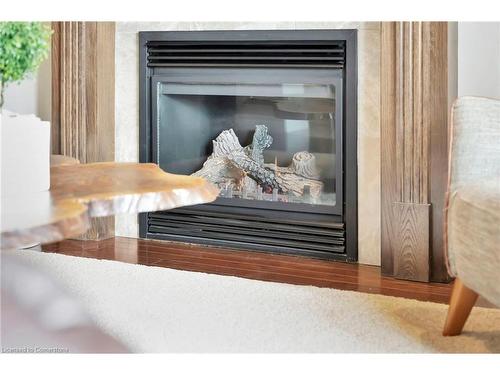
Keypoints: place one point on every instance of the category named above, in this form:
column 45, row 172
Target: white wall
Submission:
column 21, row 97
column 479, row 59
column 33, row 94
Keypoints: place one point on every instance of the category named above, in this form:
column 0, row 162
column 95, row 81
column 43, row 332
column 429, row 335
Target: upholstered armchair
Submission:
column 473, row 207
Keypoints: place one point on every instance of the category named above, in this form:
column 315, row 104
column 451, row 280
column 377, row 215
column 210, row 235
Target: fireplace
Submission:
column 267, row 116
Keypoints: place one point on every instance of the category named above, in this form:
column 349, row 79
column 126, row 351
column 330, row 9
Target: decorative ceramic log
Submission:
column 261, row 141
column 291, row 181
column 220, row 171
column 226, row 143
column 253, row 169
column 218, row 168
column 230, row 166
column 304, row 164
column 302, row 172
column 298, row 185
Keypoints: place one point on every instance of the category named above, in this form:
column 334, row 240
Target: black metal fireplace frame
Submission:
column 348, row 219
column 190, row 75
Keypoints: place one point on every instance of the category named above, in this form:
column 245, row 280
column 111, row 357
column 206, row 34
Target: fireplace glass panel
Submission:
column 264, row 142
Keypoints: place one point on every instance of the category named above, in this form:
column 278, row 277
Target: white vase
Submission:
column 25, row 153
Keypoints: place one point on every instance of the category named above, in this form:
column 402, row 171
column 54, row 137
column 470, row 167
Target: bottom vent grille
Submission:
column 321, row 240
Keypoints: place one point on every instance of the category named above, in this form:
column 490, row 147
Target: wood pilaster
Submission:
column 414, row 119
column 83, row 71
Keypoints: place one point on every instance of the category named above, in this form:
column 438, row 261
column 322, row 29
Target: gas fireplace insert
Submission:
column 269, row 117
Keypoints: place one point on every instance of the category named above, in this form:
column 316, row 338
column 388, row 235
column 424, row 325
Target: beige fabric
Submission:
column 475, row 149
column 474, row 237
column 474, row 204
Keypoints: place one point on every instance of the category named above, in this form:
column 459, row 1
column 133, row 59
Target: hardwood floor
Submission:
column 253, row 265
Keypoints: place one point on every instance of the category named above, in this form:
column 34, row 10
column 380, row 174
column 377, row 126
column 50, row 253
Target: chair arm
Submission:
column 473, row 230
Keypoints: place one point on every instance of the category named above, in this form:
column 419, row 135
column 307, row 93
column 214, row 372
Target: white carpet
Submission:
column 153, row 309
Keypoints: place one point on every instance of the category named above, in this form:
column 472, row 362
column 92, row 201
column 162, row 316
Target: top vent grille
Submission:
column 320, row 54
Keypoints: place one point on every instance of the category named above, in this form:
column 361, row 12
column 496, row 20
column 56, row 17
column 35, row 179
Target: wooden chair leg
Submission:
column 461, row 303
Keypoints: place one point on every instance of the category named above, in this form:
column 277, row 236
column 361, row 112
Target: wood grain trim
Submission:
column 84, row 99
column 412, row 136
column 438, row 110
column 105, row 88
column 414, row 110
column 389, row 179
column 411, row 256
column 56, row 89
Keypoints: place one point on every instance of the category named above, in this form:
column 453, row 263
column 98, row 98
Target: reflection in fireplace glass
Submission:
column 272, row 142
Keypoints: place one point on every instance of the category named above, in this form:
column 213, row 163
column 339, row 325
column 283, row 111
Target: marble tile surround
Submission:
column 127, row 112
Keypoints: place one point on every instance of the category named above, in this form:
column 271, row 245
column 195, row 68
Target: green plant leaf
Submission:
column 23, row 46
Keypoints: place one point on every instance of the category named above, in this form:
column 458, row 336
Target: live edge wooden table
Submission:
column 80, row 191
